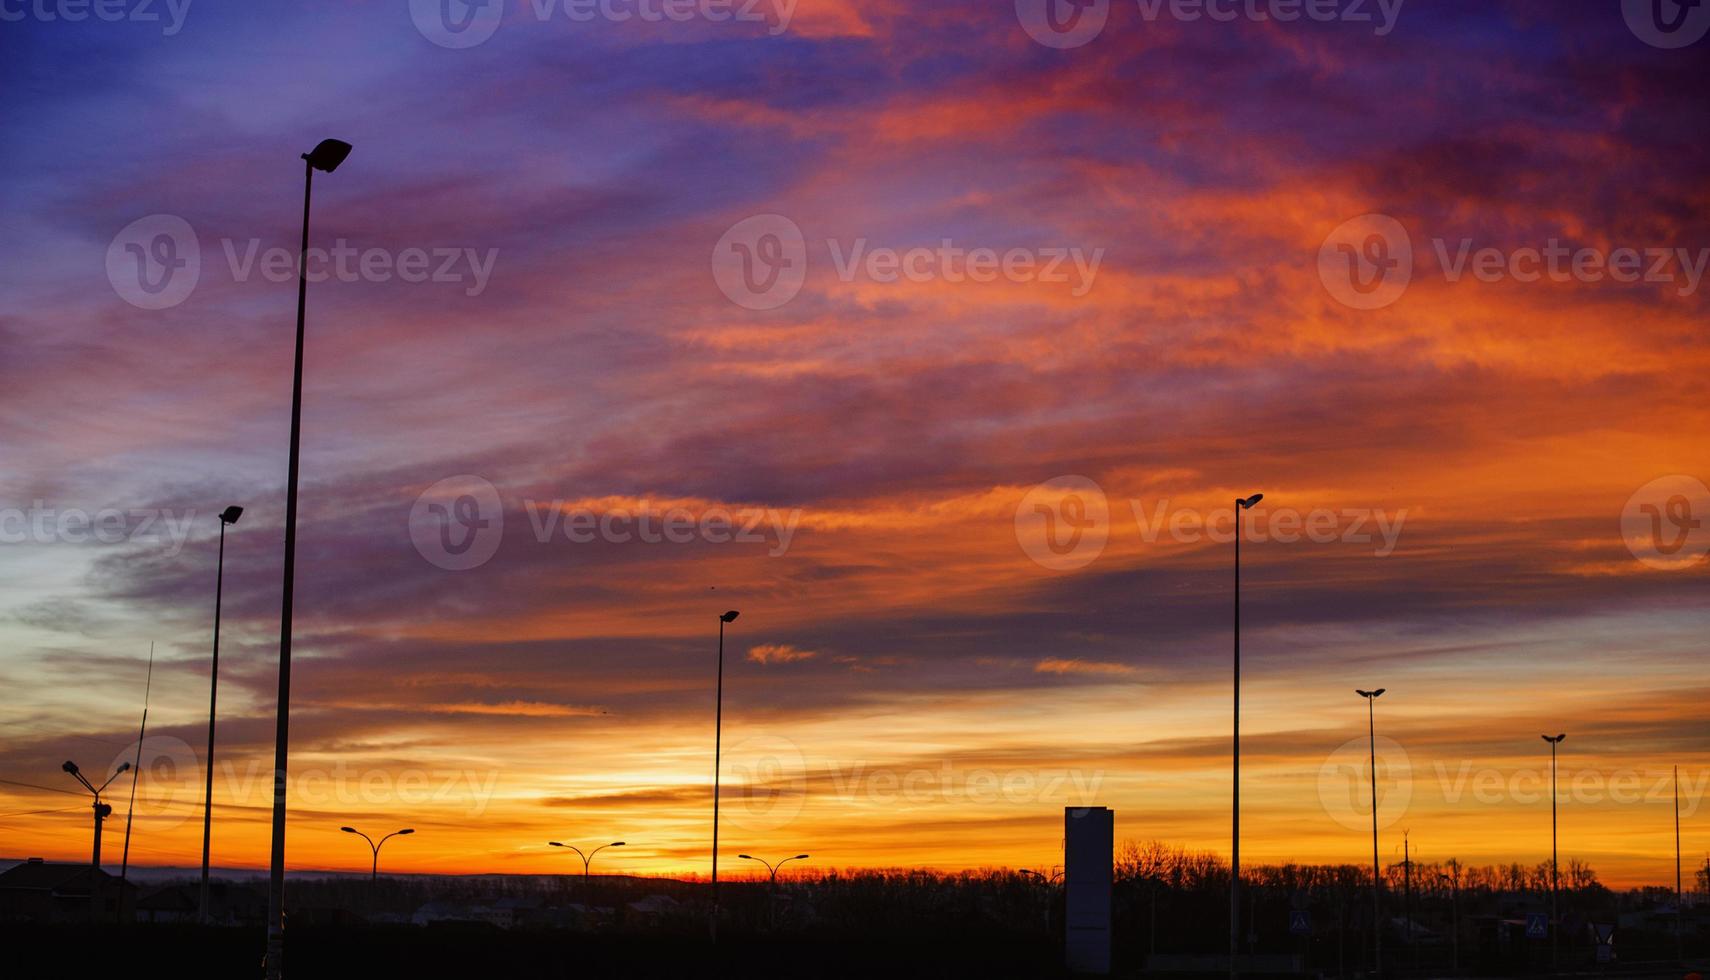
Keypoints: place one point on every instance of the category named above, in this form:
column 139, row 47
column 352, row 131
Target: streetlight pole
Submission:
column 587, row 859
column 1679, row 896
column 1454, row 913
column 228, row 517
column 772, row 880
column 374, row 871
column 1377, row 869
column 1245, row 503
column 326, row 156
column 1048, row 881
column 1555, row 868
column 718, row 736
column 102, row 811
column 1407, row 898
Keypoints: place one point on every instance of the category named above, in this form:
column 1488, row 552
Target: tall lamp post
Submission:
column 1679, row 896
column 1555, row 869
column 1246, row 503
column 1377, row 869
column 325, row 157
column 102, row 811
column 1454, row 884
column 374, row 871
column 718, row 735
column 587, row 859
column 228, row 517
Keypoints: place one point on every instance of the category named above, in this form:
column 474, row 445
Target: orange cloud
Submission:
column 779, row 653
column 1058, row 665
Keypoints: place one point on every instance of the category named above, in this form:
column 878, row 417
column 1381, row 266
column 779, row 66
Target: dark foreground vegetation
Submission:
column 316, row 952
column 1170, row 914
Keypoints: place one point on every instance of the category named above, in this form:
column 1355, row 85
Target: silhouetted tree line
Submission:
column 1167, row 900
column 1173, row 900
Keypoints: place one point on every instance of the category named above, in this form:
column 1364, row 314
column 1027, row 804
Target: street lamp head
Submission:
column 1250, row 502
column 70, row 767
column 327, row 155
column 553, row 843
column 403, row 832
column 123, row 767
column 230, row 515
column 729, row 617
column 799, row 857
column 615, row 843
column 1554, row 740
column 747, row 857
column 348, row 830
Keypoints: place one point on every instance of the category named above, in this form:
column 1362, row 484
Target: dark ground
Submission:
column 317, row 952
column 325, row 951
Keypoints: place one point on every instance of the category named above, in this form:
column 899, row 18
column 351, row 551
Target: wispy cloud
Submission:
column 1057, row 665
column 779, row 653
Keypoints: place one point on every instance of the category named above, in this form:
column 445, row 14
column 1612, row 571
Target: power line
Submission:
column 31, row 813
column 47, row 789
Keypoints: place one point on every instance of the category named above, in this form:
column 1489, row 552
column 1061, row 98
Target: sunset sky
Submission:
column 914, row 680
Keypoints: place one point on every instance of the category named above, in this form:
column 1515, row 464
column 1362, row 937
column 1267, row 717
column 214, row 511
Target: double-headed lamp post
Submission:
column 1555, row 869
column 718, row 736
column 102, row 810
column 325, row 157
column 1377, row 869
column 772, row 879
column 587, row 859
column 228, row 517
column 1244, row 503
column 374, row 871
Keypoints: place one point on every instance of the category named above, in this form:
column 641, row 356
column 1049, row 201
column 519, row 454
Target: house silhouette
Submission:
column 48, row 891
